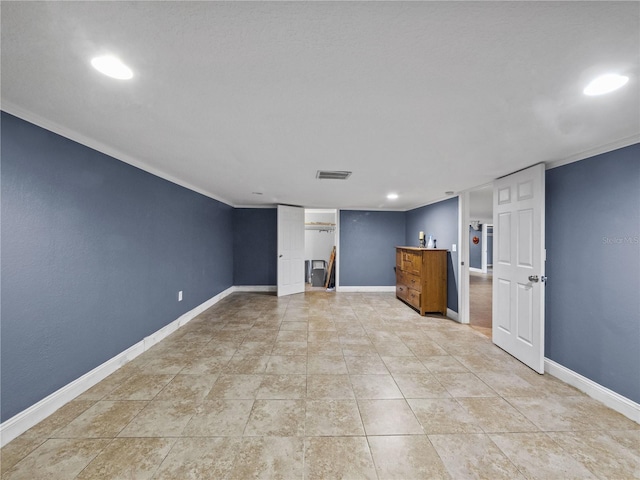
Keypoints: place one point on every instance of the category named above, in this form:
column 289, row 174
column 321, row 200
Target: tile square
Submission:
column 235, row 386
column 128, row 458
column 482, row 458
column 160, row 419
column 464, row 385
column 17, row 449
column 366, row 365
column 420, row 385
column 187, row 388
column 105, row 419
column 494, row 414
column 324, row 348
column 338, row 457
column 247, row 364
column 140, row 387
column 329, row 386
column 389, row 417
column 282, row 387
column 406, row 457
column 269, row 458
column 254, row 348
column 333, row 418
column 380, row 387
column 287, row 364
column 278, row 418
column 199, row 458
column 205, row 365
column 537, row 456
column 57, row 458
column 443, row 415
column 289, row 348
column 554, row 414
column 219, row 417
column 326, row 365
column 399, row 365
column 602, row 452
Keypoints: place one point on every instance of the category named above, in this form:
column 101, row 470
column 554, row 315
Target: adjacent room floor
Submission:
column 326, row 386
column 480, row 301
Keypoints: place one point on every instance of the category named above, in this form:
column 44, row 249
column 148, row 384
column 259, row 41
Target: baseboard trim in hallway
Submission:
column 611, row 399
column 23, row 421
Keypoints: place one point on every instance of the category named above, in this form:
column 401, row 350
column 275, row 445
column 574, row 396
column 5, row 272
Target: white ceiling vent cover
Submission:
column 332, row 175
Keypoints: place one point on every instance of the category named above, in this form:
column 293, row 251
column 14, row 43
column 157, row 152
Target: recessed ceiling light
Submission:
column 605, row 84
column 112, row 67
column 392, row 196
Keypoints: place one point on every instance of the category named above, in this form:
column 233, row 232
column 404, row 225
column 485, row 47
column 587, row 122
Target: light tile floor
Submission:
column 326, row 386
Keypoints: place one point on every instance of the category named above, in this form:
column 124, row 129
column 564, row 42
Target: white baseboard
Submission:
column 23, row 421
column 255, row 288
column 611, row 399
column 453, row 315
column 474, row 269
column 387, row 289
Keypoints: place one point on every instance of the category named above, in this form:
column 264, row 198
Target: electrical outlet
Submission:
column 180, row 296
column 453, row 247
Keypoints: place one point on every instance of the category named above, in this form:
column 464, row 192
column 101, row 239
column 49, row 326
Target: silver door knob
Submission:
column 533, row 278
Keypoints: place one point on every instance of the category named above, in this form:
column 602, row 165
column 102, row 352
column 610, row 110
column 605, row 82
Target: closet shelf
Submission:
column 320, row 226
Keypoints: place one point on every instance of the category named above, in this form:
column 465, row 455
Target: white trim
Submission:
column 609, row 398
column 255, row 288
column 23, row 421
column 463, row 257
column 453, row 315
column 390, row 288
column 592, row 152
column 474, row 269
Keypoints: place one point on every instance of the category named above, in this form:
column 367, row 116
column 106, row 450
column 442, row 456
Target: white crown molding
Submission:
column 609, row 147
column 611, row 399
column 77, row 137
column 23, row 421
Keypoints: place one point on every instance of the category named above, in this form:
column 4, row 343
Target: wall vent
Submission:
column 332, row 175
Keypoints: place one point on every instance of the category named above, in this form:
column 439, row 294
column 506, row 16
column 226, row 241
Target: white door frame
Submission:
column 463, row 256
column 485, row 249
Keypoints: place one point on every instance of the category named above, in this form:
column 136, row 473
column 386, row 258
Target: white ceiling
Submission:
column 417, row 98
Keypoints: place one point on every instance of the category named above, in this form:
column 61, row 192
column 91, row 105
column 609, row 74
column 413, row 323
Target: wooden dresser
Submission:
column 421, row 278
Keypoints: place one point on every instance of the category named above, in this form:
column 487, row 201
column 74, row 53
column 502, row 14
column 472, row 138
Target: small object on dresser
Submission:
column 430, row 244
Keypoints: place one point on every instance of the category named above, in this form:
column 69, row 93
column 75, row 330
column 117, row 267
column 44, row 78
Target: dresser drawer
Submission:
column 410, row 280
column 409, row 295
column 411, row 262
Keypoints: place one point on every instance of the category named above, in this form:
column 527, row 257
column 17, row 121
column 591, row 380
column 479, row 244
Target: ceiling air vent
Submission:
column 332, row 175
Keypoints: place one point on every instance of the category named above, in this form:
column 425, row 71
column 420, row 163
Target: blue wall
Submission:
column 440, row 220
column 94, row 252
column 475, row 249
column 593, row 265
column 367, row 247
column 255, row 246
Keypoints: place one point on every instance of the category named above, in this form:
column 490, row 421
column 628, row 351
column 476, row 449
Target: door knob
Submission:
column 533, row 278
column 279, row 256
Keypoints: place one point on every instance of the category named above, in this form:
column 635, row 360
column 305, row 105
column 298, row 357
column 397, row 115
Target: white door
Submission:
column 518, row 265
column 290, row 250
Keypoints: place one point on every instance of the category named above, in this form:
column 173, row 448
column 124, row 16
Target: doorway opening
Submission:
column 481, row 259
column 320, row 249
